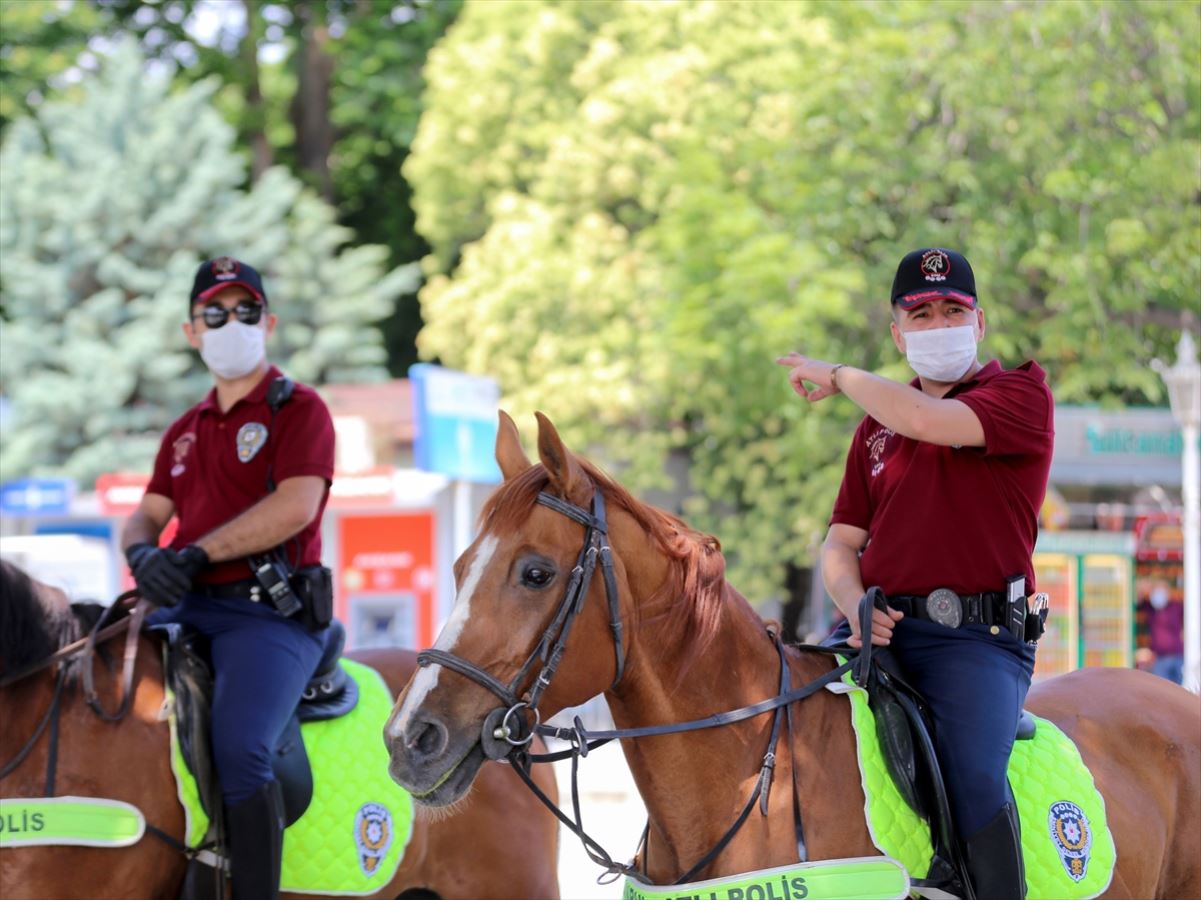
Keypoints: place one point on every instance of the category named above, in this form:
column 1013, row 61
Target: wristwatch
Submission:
column 834, row 376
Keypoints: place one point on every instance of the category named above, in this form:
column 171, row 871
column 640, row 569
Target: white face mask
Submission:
column 1159, row 597
column 233, row 350
column 941, row 354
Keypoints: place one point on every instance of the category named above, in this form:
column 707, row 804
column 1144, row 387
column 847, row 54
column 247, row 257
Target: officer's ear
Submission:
column 271, row 319
column 189, row 332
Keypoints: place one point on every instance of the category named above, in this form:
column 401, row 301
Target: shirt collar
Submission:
column 989, row 370
column 985, row 372
column 257, row 395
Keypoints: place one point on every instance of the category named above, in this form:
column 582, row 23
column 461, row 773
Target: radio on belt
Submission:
column 1015, row 596
column 273, row 578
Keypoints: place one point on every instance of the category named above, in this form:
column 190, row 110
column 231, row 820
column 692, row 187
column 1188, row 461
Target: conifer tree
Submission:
column 108, row 203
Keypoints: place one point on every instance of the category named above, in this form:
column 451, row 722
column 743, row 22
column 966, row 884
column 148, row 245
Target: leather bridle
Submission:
column 86, row 646
column 504, row 731
column 506, row 736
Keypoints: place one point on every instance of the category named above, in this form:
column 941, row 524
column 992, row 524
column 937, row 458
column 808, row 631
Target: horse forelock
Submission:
column 689, row 602
column 30, row 628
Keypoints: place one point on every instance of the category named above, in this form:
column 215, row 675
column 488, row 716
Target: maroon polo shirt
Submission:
column 964, row 518
column 213, row 466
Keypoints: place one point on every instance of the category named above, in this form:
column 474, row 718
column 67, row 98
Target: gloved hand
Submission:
column 163, row 575
column 136, row 554
column 193, row 560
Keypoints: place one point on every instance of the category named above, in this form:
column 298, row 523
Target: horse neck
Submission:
column 695, row 784
column 688, row 808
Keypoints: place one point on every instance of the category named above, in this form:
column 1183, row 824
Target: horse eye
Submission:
column 536, row 576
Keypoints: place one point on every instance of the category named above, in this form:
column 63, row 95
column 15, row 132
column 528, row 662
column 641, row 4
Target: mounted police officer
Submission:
column 247, row 471
column 939, row 507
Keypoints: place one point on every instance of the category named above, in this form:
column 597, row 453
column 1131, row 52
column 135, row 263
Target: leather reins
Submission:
column 502, row 739
column 97, row 635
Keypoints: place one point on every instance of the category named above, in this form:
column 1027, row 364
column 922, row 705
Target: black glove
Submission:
column 162, row 575
column 136, row 554
column 193, row 560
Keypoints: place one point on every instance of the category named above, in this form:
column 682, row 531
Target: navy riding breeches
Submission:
column 261, row 665
column 975, row 683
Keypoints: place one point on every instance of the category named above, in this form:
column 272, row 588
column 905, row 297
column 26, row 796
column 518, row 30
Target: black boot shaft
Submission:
column 994, row 858
column 256, row 843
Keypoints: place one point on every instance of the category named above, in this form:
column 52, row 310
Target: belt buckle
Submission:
column 945, row 607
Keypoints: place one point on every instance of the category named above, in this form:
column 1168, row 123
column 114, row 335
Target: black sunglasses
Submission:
column 215, row 315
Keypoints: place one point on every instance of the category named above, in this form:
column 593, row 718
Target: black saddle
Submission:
column 329, row 694
column 905, row 729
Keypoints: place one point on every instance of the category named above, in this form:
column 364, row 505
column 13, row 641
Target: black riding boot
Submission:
column 256, row 843
column 994, row 858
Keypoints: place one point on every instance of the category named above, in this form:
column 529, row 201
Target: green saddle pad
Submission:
column 1066, row 841
column 353, row 836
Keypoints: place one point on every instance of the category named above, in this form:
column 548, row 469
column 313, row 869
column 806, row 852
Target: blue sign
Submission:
column 37, row 496
column 455, row 422
column 93, row 529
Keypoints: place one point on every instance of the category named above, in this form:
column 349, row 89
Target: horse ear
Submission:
column 509, row 455
column 567, row 478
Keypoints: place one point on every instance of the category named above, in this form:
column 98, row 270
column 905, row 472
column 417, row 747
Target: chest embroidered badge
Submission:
column 251, row 438
column 180, row 449
column 875, row 449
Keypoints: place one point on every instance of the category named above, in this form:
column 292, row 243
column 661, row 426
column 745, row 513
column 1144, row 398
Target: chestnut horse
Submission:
column 677, row 643
column 498, row 843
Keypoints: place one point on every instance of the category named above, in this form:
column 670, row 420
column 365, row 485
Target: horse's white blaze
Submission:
column 426, row 678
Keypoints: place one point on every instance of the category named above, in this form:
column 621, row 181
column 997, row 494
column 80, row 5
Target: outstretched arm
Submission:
column 901, row 407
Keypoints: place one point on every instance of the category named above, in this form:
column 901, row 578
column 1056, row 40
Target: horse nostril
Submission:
column 427, row 739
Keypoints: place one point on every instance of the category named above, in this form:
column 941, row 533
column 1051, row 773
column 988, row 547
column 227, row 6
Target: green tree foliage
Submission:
column 109, row 203
column 338, row 105
column 633, row 208
column 39, row 40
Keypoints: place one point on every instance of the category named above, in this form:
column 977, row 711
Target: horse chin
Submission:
column 447, row 788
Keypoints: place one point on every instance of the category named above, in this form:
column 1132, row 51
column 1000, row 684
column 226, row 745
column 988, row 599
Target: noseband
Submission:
column 504, row 731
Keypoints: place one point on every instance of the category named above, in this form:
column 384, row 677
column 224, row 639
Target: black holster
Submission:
column 314, row 586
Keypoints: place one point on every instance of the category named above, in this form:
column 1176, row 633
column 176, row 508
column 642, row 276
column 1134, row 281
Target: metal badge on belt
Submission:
column 944, row 607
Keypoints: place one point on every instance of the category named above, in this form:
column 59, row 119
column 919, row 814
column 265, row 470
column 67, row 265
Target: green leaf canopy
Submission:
column 110, row 201
column 634, row 207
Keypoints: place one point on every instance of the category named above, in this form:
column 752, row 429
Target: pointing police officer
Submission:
column 939, row 507
column 247, row 471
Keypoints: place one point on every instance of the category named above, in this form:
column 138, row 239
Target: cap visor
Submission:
column 218, row 288
column 913, row 301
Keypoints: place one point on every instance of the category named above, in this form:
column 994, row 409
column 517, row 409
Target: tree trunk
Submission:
column 261, row 154
column 310, row 109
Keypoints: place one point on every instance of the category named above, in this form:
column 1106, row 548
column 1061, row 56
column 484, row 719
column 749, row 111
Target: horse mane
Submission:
column 31, row 630
column 697, row 569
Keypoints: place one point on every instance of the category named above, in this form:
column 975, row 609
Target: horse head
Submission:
column 569, row 571
column 509, row 609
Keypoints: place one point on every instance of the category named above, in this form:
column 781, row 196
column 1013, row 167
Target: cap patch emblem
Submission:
column 1072, row 836
column 936, row 265
column 372, row 835
column 224, row 268
column 251, row 438
column 180, row 449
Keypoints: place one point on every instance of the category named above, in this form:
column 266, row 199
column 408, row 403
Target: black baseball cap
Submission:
column 222, row 272
column 933, row 273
